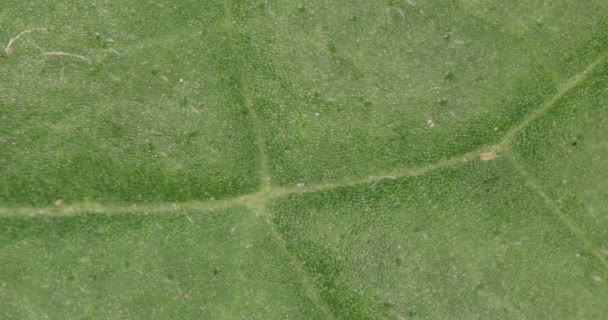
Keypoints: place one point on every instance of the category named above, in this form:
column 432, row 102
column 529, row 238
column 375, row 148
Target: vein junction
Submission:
column 266, row 192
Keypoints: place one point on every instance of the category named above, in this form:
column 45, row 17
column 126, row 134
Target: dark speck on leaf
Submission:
column 449, row 76
column 332, row 48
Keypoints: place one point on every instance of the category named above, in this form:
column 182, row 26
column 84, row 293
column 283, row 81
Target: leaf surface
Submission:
column 276, row 160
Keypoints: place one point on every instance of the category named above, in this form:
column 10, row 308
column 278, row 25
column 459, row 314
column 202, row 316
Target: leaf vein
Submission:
column 559, row 212
column 565, row 88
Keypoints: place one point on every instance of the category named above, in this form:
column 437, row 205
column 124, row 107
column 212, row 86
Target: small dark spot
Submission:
column 154, row 72
column 412, row 314
column 301, row 8
column 398, row 262
column 574, row 143
column 70, row 277
column 183, row 102
column 215, row 272
column 150, row 147
column 447, row 36
column 285, row 85
column 367, row 104
column 443, row 102
column 97, row 68
column 450, row 76
column 480, row 286
column 193, row 135
column 101, row 41
column 316, row 95
column 127, row 264
column 332, row 48
column 354, row 18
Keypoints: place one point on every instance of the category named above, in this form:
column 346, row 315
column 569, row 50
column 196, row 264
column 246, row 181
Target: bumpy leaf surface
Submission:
column 304, row 160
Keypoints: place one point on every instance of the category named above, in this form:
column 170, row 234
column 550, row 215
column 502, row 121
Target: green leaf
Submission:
column 281, row 160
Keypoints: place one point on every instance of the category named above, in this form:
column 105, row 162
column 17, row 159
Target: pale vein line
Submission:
column 267, row 191
column 87, row 207
column 264, row 171
column 562, row 216
column 563, row 89
column 391, row 175
column 299, row 267
column 503, row 144
column 258, row 201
